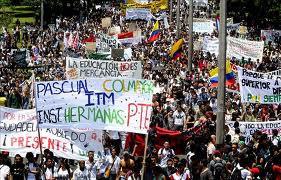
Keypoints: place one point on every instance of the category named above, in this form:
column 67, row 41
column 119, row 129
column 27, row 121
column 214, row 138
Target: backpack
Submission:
column 236, row 175
column 218, row 168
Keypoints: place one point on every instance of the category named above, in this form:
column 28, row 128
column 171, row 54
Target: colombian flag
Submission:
column 230, row 76
column 155, row 33
column 176, row 50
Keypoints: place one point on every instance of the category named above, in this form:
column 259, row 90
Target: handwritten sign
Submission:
column 112, row 104
column 89, row 68
column 258, row 87
column 19, row 134
column 243, row 48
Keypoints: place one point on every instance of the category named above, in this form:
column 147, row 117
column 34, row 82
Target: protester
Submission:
column 4, row 170
column 18, row 170
column 81, row 173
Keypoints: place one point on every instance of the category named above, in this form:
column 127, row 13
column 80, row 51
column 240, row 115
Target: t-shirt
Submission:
column 63, row 174
column 115, row 166
column 51, row 173
column 31, row 167
column 179, row 118
column 210, row 150
column 166, row 155
column 81, row 175
column 4, row 171
column 17, row 171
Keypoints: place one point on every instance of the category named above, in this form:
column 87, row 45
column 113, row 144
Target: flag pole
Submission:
column 144, row 157
column 222, row 71
column 190, row 34
column 39, row 138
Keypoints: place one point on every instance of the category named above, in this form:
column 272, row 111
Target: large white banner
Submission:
column 104, row 43
column 110, row 104
column 248, row 128
column 19, row 134
column 88, row 68
column 138, row 13
column 258, row 87
column 203, row 27
column 270, row 35
column 239, row 48
column 211, row 45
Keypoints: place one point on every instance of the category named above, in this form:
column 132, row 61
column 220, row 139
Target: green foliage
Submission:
column 5, row 18
column 260, row 12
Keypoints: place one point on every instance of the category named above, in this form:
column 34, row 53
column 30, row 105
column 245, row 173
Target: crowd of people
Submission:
column 185, row 100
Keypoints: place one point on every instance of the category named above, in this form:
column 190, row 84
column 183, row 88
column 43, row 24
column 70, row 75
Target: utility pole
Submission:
column 190, row 34
column 42, row 14
column 171, row 11
column 178, row 19
column 222, row 70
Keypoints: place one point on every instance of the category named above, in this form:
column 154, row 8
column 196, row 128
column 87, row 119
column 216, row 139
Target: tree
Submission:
column 5, row 17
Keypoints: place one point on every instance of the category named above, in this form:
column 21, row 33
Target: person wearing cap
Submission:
column 4, row 169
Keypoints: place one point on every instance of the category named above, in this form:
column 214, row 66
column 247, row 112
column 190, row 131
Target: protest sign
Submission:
column 258, row 87
column 19, row 134
column 117, row 104
column 203, row 27
column 138, row 13
column 243, row 30
column 90, row 47
column 117, row 53
column 133, row 26
column 198, row 2
column 131, row 41
column 248, row 128
column 89, row 68
column 20, row 58
column 239, row 48
column 114, row 30
column 270, row 35
column 104, row 43
column 106, row 22
column 211, row 45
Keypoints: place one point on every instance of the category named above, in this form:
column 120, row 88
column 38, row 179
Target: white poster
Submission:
column 239, row 48
column 104, row 43
column 276, row 72
column 270, row 35
column 89, row 68
column 203, row 27
column 117, row 104
column 211, row 44
column 131, row 41
column 19, row 134
column 138, row 13
column 258, row 87
column 248, row 128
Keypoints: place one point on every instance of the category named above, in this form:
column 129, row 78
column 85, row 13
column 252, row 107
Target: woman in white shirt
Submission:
column 64, row 171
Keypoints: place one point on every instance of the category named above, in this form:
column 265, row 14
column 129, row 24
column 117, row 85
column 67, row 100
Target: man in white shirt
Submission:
column 4, row 170
column 81, row 173
column 179, row 118
column 90, row 163
column 164, row 154
column 211, row 147
column 113, row 165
